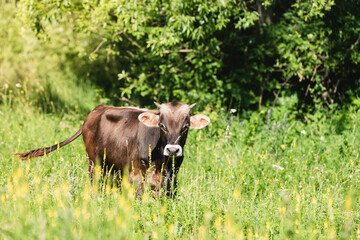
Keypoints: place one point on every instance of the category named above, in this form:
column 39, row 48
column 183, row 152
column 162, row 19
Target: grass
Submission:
column 260, row 179
column 269, row 175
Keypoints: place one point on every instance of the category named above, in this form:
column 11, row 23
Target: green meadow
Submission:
column 267, row 176
column 272, row 173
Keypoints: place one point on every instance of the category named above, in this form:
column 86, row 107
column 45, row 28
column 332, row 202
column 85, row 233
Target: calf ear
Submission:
column 149, row 119
column 199, row 121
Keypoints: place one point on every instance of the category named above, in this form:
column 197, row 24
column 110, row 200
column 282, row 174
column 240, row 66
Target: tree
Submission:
column 233, row 53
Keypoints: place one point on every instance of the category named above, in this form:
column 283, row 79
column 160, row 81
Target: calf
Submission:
column 120, row 138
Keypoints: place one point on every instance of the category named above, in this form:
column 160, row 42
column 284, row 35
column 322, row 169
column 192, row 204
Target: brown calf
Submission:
column 120, row 138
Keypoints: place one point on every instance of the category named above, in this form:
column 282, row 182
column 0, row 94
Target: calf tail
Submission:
column 42, row 151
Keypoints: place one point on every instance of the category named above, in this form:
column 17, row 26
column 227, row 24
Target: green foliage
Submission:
column 238, row 54
column 276, row 173
column 36, row 73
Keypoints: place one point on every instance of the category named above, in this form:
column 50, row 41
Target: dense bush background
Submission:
column 240, row 54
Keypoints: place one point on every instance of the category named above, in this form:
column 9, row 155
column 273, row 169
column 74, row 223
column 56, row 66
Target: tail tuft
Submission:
column 30, row 154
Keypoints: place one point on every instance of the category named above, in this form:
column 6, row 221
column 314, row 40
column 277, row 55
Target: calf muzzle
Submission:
column 173, row 150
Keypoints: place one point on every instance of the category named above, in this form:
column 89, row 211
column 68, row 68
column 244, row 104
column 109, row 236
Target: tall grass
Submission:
column 263, row 178
column 269, row 175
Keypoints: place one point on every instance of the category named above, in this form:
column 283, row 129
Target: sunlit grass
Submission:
column 230, row 186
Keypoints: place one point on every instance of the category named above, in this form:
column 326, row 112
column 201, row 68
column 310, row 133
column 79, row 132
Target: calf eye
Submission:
column 162, row 126
column 185, row 127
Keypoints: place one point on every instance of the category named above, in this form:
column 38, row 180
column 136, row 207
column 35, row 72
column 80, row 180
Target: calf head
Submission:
column 174, row 121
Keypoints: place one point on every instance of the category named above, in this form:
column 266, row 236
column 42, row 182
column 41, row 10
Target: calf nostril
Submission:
column 172, row 150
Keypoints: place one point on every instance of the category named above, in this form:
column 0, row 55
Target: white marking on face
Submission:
column 173, row 150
